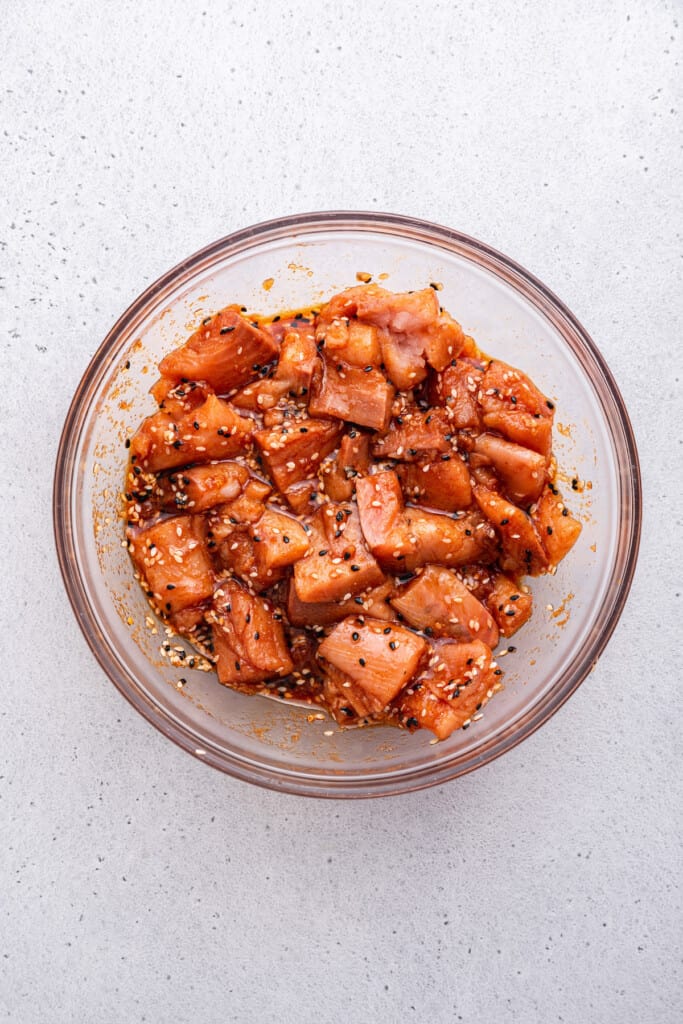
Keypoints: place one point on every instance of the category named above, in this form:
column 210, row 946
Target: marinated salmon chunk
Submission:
column 375, row 656
column 226, row 351
column 214, row 430
column 340, row 506
column 249, row 640
column 173, row 562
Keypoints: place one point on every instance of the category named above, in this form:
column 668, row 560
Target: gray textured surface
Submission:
column 135, row 883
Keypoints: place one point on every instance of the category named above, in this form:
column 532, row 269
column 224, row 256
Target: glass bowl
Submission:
column 297, row 262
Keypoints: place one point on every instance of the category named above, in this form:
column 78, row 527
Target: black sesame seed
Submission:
column 361, row 662
column 355, row 636
column 127, row 442
column 355, row 568
column 412, row 723
column 392, row 645
column 227, row 330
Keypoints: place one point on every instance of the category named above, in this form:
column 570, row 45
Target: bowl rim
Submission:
column 391, row 224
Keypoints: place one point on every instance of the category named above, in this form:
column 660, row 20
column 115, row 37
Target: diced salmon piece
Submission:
column 371, row 602
column 456, row 389
column 291, row 378
column 521, row 471
column 510, row 606
column 350, row 393
column 259, row 553
column 378, row 658
column 382, row 517
column 180, row 398
column 339, row 565
column 522, row 548
column 439, row 602
column 244, row 510
column 442, row 482
column 199, row 488
column 226, row 351
column 279, row 541
column 345, row 701
column 482, row 473
column 399, row 312
column 350, row 341
column 212, row 431
column 248, row 637
column 293, row 451
column 376, row 602
column 405, row 354
column 235, row 554
column 301, row 495
column 557, row 529
column 412, row 329
column 172, row 558
column 444, row 342
column 460, row 680
column 352, row 460
column 413, row 433
column 453, row 542
column 512, row 404
column 403, row 539
column 281, row 325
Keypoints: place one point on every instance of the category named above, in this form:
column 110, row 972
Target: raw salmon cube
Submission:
column 248, row 637
column 172, row 558
column 226, row 351
column 380, row 659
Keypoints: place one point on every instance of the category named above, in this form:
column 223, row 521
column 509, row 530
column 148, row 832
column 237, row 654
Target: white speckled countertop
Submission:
column 136, row 884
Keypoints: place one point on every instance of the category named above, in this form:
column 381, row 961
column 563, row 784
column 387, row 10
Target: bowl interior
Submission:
column 267, row 740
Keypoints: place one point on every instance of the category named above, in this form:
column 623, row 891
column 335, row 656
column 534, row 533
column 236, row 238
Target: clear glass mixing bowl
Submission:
column 512, row 316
